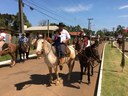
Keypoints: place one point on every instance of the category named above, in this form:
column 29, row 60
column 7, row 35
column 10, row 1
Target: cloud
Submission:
column 77, row 8
column 123, row 7
column 123, row 16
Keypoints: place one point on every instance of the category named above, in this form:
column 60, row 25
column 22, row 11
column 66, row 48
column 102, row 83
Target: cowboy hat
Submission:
column 61, row 24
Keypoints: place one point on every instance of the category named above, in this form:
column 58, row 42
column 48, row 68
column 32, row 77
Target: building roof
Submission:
column 41, row 28
column 74, row 33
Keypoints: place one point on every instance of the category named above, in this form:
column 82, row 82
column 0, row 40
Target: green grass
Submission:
column 114, row 81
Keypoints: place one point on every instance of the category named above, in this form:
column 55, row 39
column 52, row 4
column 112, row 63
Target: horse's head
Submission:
column 39, row 48
column 78, row 44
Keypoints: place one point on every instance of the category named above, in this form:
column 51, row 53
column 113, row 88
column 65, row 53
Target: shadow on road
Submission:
column 44, row 80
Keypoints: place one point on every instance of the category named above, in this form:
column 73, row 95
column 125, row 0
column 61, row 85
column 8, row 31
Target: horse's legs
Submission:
column 23, row 56
column 20, row 56
column 51, row 77
column 13, row 59
column 57, row 74
column 70, row 67
column 88, row 66
column 81, row 73
column 92, row 69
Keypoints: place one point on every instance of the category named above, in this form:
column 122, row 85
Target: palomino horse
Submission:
column 11, row 49
column 52, row 60
column 87, row 57
column 120, row 42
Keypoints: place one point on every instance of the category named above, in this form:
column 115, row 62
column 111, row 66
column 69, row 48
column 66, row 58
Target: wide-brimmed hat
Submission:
column 61, row 24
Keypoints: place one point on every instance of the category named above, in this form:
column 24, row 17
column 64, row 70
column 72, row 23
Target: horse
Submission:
column 23, row 50
column 39, row 50
column 86, row 58
column 11, row 49
column 51, row 59
column 120, row 42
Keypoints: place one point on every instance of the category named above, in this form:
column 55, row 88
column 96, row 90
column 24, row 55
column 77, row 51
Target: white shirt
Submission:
column 64, row 35
column 89, row 43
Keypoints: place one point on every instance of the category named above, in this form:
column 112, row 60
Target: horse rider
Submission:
column 23, row 40
column 61, row 38
column 85, row 39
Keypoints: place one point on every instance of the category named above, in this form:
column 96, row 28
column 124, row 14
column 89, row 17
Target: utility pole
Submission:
column 48, row 28
column 21, row 25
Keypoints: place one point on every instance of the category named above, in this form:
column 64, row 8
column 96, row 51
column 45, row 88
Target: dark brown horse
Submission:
column 24, row 49
column 10, row 49
column 87, row 57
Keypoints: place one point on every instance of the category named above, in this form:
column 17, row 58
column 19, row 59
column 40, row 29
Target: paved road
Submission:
column 31, row 77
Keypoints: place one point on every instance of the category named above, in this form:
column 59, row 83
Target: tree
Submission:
column 12, row 21
column 120, row 30
column 43, row 22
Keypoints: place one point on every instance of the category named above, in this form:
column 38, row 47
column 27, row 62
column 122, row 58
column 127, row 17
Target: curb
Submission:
column 100, row 74
column 9, row 61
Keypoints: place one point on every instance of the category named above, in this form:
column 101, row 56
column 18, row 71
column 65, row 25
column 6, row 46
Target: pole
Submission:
column 48, row 28
column 21, row 24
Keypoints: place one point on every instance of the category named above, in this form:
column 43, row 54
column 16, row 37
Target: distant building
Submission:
column 45, row 30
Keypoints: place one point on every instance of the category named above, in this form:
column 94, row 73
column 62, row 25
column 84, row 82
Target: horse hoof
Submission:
column 12, row 65
column 57, row 83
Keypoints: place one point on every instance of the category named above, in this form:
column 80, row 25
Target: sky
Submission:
column 104, row 13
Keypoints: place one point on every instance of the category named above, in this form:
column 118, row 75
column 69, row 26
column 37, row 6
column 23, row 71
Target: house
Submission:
column 45, row 30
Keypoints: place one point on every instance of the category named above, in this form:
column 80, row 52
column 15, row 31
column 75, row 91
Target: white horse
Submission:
column 52, row 61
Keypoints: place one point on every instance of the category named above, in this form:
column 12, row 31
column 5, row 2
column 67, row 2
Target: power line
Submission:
column 41, row 12
column 50, row 11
